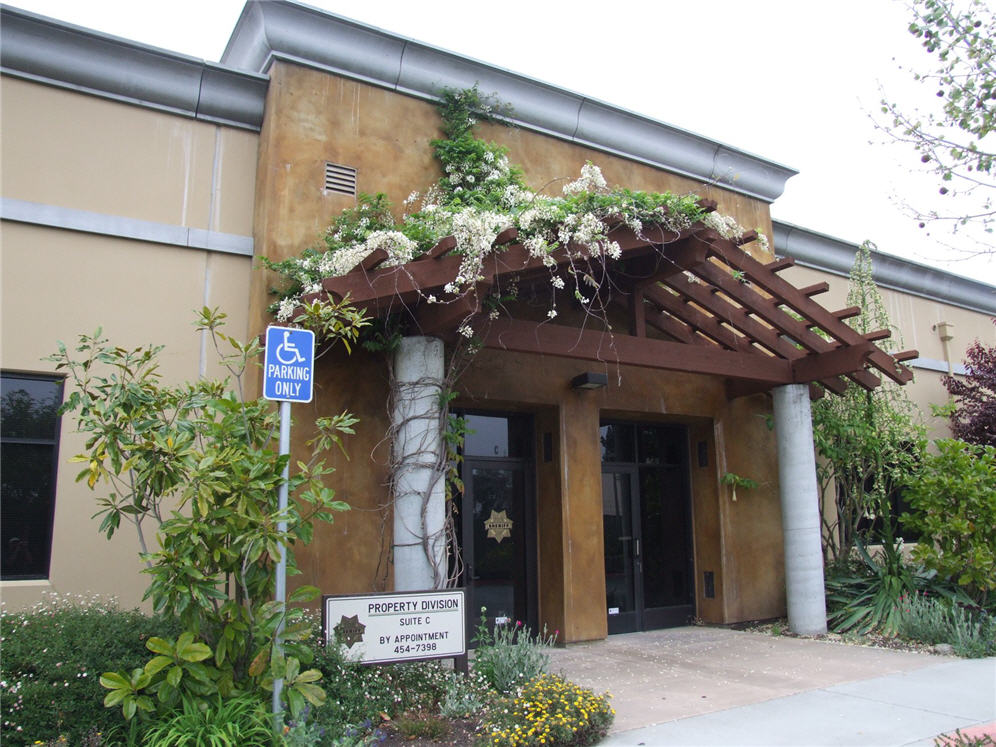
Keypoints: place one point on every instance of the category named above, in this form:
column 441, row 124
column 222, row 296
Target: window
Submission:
column 29, row 450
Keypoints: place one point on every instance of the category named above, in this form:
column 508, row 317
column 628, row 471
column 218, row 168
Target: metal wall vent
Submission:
column 340, row 180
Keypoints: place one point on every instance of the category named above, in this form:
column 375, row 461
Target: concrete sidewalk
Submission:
column 713, row 686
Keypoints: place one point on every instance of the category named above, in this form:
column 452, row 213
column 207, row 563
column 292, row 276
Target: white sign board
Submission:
column 381, row 628
column 289, row 364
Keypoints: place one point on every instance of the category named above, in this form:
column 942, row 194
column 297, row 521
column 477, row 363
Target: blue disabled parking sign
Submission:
column 289, row 364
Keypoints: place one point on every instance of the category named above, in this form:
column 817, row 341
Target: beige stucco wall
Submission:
column 916, row 319
column 68, row 150
column 77, row 151
column 314, row 117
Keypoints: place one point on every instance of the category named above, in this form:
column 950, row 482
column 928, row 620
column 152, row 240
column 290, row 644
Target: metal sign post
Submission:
column 288, row 375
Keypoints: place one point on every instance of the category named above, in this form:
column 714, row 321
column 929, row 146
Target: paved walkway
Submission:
column 713, row 686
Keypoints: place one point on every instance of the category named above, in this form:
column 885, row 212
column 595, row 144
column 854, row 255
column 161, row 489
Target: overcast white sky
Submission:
column 793, row 82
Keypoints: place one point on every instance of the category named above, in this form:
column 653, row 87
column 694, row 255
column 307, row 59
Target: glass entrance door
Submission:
column 647, row 526
column 623, row 595
column 498, row 543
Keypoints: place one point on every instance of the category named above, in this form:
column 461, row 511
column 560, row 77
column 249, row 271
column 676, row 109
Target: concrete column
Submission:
column 420, row 491
column 807, row 614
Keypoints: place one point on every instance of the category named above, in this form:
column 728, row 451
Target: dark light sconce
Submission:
column 589, row 380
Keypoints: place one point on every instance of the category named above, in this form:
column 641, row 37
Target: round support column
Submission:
column 419, row 489
column 807, row 614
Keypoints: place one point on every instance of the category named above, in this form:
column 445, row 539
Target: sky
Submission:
column 798, row 83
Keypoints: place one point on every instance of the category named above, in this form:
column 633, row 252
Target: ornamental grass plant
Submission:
column 234, row 722
column 549, row 710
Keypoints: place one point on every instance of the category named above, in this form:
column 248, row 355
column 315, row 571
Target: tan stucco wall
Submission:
column 87, row 153
column 68, row 150
column 314, row 117
column 916, row 319
column 738, row 541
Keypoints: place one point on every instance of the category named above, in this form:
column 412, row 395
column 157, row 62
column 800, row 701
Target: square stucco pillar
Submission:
column 584, row 555
column 804, row 589
column 418, row 451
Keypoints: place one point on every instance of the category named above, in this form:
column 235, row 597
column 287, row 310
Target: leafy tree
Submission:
column 867, row 441
column 954, row 139
column 198, row 466
column 973, row 416
column 953, row 502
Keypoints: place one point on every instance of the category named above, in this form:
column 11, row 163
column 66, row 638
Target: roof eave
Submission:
column 289, row 31
column 823, row 252
column 44, row 50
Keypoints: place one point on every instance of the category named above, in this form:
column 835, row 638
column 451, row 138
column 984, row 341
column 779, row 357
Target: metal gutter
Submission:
column 273, row 30
column 45, row 50
column 822, row 252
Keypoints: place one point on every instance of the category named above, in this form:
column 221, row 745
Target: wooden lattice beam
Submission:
column 570, row 342
column 806, row 307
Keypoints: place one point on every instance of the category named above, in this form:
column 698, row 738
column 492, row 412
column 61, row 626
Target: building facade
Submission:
column 139, row 185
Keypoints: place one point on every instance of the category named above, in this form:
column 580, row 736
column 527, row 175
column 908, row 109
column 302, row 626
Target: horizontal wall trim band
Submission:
column 930, row 364
column 56, row 53
column 280, row 30
column 826, row 253
column 71, row 219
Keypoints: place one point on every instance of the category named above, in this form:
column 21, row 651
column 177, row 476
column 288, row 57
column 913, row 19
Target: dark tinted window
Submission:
column 497, row 436
column 29, row 440
column 618, row 442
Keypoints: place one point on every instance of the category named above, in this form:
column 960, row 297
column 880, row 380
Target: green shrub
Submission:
column 197, row 466
column 933, row 620
column 236, row 722
column 307, row 731
column 53, row 656
column 359, row 693
column 953, row 503
column 461, row 699
column 924, row 619
column 960, row 740
column 549, row 710
column 864, row 592
column 510, row 656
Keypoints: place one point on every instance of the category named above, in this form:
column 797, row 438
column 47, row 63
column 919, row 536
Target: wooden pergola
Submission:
column 710, row 307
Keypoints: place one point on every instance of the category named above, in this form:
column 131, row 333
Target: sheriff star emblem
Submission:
column 499, row 526
column 350, row 630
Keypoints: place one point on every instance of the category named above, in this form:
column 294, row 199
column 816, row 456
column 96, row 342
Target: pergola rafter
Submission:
column 695, row 302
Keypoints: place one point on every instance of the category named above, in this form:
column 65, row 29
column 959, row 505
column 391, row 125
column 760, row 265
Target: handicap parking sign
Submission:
column 289, row 364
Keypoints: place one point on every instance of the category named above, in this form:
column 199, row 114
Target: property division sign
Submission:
column 382, row 628
column 289, row 364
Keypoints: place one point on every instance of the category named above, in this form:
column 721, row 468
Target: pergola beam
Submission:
column 604, row 347
column 808, row 309
column 738, row 320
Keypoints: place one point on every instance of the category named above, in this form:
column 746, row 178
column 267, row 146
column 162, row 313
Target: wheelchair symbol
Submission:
column 287, row 352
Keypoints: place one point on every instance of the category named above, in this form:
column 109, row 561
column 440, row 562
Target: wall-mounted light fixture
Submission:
column 589, row 380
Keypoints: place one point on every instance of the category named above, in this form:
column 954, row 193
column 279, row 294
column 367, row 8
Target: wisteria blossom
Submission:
column 479, row 195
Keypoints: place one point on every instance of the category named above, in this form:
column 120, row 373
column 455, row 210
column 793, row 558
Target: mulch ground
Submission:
column 873, row 640
column 456, row 732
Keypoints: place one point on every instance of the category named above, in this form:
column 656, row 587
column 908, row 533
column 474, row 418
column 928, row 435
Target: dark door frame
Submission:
column 526, row 466
column 644, row 617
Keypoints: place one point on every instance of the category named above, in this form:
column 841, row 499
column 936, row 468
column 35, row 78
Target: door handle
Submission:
column 637, row 553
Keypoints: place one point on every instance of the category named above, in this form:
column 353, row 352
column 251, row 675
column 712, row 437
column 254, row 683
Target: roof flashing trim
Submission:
column 283, row 30
column 44, row 50
column 822, row 252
